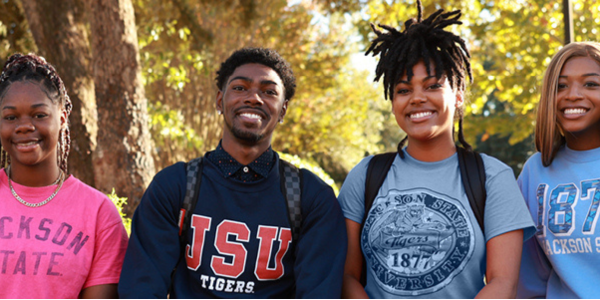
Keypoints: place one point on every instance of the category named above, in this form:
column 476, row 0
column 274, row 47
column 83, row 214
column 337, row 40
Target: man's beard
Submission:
column 243, row 135
column 247, row 136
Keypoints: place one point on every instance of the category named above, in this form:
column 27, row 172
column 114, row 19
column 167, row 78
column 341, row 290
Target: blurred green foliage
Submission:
column 120, row 203
column 511, row 44
column 333, row 110
column 338, row 116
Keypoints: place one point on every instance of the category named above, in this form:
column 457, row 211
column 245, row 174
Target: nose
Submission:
column 573, row 93
column 254, row 97
column 24, row 126
column 418, row 97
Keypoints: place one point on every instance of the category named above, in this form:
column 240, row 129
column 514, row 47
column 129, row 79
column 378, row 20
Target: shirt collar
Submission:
column 229, row 166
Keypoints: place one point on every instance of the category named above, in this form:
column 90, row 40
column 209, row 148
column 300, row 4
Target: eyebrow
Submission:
column 250, row 80
column 33, row 106
column 584, row 75
column 424, row 79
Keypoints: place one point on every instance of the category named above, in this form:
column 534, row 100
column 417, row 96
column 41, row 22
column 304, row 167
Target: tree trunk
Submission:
column 123, row 158
column 58, row 28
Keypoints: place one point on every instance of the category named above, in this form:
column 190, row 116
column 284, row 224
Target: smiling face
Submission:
column 424, row 107
column 252, row 102
column 578, row 103
column 29, row 127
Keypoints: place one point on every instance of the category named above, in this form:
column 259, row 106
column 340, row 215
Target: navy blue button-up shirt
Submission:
column 230, row 167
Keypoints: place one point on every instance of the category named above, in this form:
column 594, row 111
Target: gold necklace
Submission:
column 58, row 180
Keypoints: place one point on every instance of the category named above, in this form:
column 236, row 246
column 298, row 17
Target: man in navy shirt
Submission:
column 239, row 240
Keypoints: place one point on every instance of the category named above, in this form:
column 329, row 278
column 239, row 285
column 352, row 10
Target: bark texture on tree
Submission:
column 58, row 28
column 123, row 158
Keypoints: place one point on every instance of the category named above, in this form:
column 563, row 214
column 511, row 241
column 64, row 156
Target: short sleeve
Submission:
column 505, row 209
column 352, row 193
column 110, row 247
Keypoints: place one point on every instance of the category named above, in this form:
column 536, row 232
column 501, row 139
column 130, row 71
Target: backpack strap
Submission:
column 472, row 173
column 193, row 171
column 291, row 187
column 377, row 171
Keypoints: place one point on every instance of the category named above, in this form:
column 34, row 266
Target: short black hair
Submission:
column 263, row 56
column 426, row 40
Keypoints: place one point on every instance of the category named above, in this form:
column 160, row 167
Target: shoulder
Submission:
column 171, row 173
column 358, row 174
column 311, row 183
column 87, row 192
column 354, row 184
column 168, row 184
column 316, row 194
column 96, row 203
column 172, row 177
column 494, row 166
column 533, row 162
column 94, row 199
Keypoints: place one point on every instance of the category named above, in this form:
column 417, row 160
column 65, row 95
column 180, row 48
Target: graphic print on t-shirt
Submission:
column 34, row 246
column 416, row 241
column 567, row 218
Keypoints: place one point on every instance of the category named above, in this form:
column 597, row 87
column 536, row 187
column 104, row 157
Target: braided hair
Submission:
column 426, row 40
column 34, row 68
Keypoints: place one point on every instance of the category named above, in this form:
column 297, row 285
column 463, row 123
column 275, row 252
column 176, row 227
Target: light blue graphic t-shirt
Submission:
column 563, row 260
column 421, row 238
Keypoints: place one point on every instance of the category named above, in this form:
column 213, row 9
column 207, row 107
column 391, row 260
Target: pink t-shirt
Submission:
column 75, row 241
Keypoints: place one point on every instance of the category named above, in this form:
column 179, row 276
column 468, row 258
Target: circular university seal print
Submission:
column 417, row 241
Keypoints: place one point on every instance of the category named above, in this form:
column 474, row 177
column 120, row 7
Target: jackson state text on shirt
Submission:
column 44, row 230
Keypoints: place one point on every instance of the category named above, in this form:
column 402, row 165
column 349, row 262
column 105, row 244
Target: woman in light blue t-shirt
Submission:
column 561, row 183
column 420, row 238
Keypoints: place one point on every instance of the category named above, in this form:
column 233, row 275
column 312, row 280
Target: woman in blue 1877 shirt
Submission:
column 420, row 238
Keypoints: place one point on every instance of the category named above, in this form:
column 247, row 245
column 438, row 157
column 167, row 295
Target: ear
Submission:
column 460, row 100
column 283, row 109
column 219, row 101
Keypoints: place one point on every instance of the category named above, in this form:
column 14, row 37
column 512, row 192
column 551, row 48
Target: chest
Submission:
column 243, row 235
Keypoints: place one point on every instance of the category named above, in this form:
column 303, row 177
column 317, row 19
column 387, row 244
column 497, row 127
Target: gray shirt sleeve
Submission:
column 352, row 193
column 505, row 209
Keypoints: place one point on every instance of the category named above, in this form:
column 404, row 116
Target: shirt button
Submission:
column 245, row 169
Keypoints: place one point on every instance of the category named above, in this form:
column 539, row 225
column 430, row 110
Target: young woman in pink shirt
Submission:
column 59, row 238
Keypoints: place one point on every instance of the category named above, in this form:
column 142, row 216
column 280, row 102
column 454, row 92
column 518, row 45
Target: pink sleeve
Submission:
column 110, row 246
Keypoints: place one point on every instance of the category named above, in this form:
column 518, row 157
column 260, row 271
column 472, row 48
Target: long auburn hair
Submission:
column 549, row 136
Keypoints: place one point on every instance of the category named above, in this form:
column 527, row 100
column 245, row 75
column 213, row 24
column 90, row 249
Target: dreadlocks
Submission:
column 426, row 40
column 35, row 69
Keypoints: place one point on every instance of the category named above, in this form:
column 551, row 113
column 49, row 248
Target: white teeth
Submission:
column 420, row 114
column 575, row 111
column 251, row 116
column 27, row 144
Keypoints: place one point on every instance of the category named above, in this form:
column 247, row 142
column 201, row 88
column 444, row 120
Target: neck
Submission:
column 244, row 153
column 431, row 150
column 33, row 176
column 582, row 143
